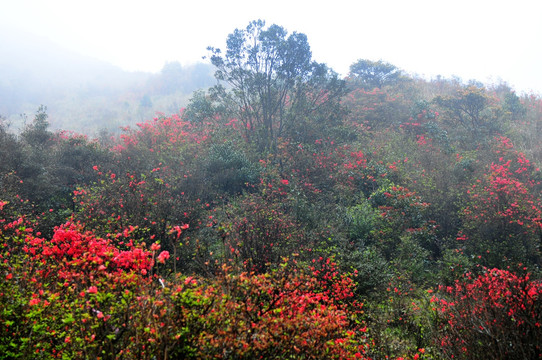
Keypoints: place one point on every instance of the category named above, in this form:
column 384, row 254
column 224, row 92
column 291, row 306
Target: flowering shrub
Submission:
column 326, row 166
column 69, row 295
column 258, row 231
column 496, row 315
column 284, row 313
column 402, row 212
column 503, row 218
column 376, row 108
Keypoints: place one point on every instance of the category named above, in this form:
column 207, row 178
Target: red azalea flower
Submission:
column 164, row 255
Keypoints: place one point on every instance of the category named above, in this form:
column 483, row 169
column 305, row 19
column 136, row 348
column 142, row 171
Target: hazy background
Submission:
column 107, row 63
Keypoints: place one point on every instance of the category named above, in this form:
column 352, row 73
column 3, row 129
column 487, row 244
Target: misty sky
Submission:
column 473, row 39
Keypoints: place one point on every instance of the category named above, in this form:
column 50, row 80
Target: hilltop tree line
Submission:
column 284, row 213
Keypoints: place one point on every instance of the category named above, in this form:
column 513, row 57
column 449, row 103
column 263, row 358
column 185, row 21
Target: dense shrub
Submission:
column 229, row 170
column 80, row 296
column 503, row 216
column 496, row 315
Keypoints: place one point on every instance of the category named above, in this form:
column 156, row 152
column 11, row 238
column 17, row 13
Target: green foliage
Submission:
column 361, row 220
column 513, row 104
column 202, row 108
column 402, row 212
column 45, row 168
column 9, row 146
column 38, row 141
column 476, row 111
column 400, row 321
column 229, row 170
column 414, row 260
column 37, row 133
column 373, row 271
column 455, row 264
column 373, row 74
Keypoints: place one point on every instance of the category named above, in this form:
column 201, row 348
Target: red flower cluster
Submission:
column 496, row 315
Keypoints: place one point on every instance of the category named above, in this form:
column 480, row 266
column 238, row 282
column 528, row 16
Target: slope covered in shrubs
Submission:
column 367, row 217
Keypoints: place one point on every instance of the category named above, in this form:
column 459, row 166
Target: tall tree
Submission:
column 373, row 74
column 474, row 109
column 273, row 80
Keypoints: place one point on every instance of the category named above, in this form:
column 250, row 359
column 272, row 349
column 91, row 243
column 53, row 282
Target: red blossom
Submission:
column 164, row 255
column 155, row 247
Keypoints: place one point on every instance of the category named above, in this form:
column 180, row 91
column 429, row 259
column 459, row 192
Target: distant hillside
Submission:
column 85, row 94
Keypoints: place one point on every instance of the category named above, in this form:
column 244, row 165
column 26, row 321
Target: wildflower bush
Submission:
column 503, row 216
column 71, row 295
column 496, row 315
column 284, row 313
column 258, row 230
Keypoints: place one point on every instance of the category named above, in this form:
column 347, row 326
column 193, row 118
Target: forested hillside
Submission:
column 285, row 213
